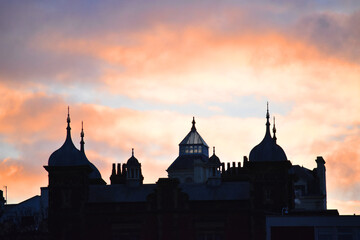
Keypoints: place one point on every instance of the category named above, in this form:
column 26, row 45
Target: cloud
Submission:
column 333, row 33
column 22, row 180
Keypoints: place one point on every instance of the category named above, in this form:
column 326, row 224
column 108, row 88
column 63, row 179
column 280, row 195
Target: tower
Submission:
column 189, row 166
column 68, row 189
column 269, row 173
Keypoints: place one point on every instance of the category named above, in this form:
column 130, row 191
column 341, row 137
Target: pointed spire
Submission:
column 274, row 131
column 193, row 125
column 214, row 150
column 132, row 152
column 267, row 120
column 68, row 128
column 68, row 119
column 82, row 137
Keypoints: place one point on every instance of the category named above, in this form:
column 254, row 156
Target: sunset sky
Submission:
column 136, row 72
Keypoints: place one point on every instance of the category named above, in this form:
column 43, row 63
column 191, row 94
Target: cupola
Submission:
column 134, row 175
column 67, row 154
column 193, row 143
column 267, row 150
column 191, row 147
column 214, row 165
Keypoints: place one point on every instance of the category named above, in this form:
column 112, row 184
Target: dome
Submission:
column 133, row 162
column 214, row 160
column 94, row 174
column 67, row 154
column 267, row 150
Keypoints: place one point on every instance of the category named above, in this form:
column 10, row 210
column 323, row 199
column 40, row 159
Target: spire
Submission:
column 214, row 150
column 132, row 152
column 267, row 120
column 82, row 137
column 68, row 128
column 274, row 131
column 193, row 125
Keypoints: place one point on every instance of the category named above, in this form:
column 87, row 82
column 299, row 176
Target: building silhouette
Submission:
column 202, row 198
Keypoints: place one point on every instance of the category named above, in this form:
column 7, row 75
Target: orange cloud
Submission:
column 199, row 65
column 22, row 182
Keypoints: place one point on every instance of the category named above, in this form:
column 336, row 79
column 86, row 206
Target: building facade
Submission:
column 202, row 198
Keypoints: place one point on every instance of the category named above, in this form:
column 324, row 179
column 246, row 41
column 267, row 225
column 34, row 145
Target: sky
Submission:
column 136, row 72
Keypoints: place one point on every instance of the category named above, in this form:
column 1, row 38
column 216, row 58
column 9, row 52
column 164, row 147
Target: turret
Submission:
column 68, row 188
column 213, row 170
column 134, row 175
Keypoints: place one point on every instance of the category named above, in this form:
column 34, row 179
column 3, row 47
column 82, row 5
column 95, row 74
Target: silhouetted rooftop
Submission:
column 186, row 162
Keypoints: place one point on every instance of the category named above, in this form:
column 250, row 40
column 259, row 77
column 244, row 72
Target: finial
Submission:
column 274, row 131
column 193, row 125
column 132, row 152
column 82, row 137
column 82, row 129
column 68, row 128
column 214, row 150
column 68, row 116
column 267, row 120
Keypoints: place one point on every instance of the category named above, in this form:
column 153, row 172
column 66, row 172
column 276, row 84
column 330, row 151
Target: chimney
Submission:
column 245, row 161
column 113, row 175
column 113, row 172
column 321, row 175
column 118, row 169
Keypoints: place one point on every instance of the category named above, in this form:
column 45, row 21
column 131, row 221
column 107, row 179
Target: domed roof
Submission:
column 193, row 137
column 214, row 160
column 267, row 150
column 67, row 154
column 95, row 174
column 132, row 162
